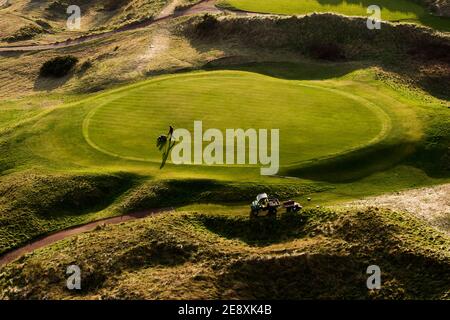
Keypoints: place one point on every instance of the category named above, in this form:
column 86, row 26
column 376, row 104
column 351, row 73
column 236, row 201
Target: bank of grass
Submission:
column 314, row 255
column 391, row 10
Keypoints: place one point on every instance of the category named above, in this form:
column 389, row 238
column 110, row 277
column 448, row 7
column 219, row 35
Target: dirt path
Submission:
column 63, row 234
column 431, row 204
column 167, row 13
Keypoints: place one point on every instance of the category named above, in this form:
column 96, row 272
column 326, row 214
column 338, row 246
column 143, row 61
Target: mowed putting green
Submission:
column 391, row 10
column 314, row 121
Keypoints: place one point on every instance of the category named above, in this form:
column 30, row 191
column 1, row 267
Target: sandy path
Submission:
column 431, row 204
column 60, row 235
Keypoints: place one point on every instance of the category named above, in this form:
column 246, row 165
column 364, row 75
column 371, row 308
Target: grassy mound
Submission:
column 24, row 33
column 391, row 10
column 350, row 35
column 321, row 255
column 52, row 14
column 32, row 204
column 182, row 192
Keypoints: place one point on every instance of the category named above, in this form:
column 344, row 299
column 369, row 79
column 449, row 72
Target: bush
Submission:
column 86, row 65
column 58, row 67
column 326, row 51
column 25, row 33
column 208, row 24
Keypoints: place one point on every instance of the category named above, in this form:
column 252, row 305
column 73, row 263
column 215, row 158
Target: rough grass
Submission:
column 315, row 255
column 32, row 205
column 301, row 33
column 24, row 33
column 35, row 204
column 96, row 16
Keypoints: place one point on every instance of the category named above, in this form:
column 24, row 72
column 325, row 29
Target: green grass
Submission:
column 398, row 10
column 310, row 126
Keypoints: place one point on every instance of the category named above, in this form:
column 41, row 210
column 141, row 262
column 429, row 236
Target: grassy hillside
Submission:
column 397, row 10
column 315, row 255
column 48, row 18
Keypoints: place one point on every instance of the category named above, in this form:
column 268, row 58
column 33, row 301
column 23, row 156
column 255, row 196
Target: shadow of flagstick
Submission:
column 166, row 153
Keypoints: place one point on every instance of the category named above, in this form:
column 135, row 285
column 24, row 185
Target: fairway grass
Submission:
column 391, row 10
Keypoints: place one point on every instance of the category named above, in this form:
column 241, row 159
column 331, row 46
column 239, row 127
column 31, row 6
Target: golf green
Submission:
column 314, row 121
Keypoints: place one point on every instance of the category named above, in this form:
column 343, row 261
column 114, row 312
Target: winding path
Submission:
column 167, row 13
column 63, row 234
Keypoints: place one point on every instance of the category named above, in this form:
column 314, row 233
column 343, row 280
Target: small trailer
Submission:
column 292, row 206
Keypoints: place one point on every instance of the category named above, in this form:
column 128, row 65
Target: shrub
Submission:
column 209, row 23
column 25, row 33
column 58, row 67
column 326, row 51
column 86, row 65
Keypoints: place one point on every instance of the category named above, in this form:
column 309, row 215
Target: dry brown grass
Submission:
column 429, row 204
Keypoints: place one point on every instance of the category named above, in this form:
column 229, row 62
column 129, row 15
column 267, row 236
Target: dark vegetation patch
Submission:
column 433, row 154
column 326, row 51
column 25, row 33
column 207, row 25
column 263, row 231
column 58, row 67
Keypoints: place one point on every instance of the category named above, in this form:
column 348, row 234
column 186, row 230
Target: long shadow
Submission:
column 49, row 84
column 261, row 231
column 354, row 165
column 310, row 70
